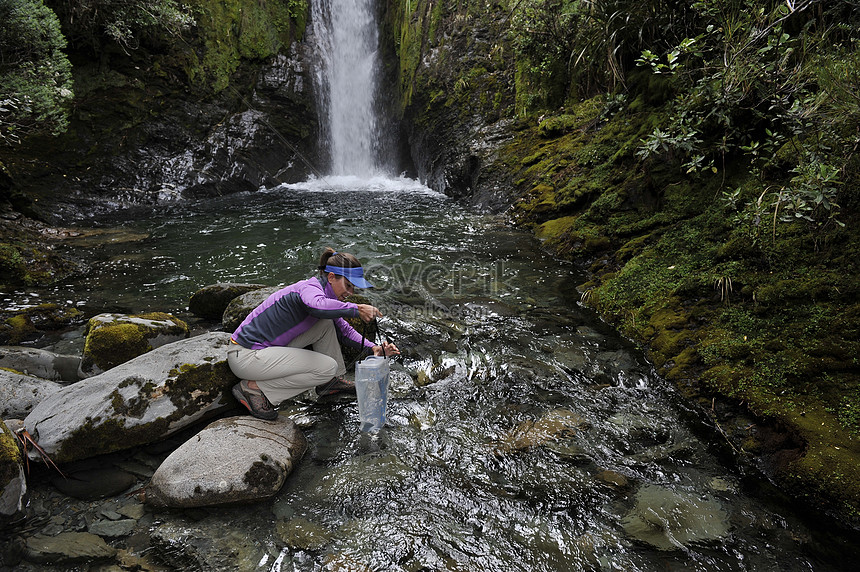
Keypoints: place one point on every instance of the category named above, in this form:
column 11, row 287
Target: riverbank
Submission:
column 757, row 320
column 704, row 209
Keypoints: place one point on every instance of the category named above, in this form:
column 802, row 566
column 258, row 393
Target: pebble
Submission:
column 113, row 528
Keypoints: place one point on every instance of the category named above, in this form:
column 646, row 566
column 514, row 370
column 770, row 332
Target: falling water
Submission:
column 346, row 40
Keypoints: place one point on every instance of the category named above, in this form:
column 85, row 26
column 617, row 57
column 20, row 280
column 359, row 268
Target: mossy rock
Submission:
column 239, row 307
column 12, row 485
column 113, row 339
column 32, row 323
column 210, row 301
column 139, row 402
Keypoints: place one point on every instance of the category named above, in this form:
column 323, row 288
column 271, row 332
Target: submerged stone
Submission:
column 210, row 301
column 302, row 534
column 553, row 426
column 668, row 520
column 206, row 545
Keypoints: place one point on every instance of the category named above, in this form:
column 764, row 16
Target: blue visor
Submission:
column 354, row 275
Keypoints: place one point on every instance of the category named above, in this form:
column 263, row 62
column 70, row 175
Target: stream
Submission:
column 523, row 433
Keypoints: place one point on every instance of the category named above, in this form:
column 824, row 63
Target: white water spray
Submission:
column 346, row 40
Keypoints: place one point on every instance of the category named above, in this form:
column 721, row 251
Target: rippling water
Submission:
column 524, row 434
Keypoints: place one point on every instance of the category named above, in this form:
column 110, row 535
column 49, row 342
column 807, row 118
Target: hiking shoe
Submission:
column 337, row 385
column 255, row 401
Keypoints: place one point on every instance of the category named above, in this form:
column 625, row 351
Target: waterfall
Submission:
column 346, row 41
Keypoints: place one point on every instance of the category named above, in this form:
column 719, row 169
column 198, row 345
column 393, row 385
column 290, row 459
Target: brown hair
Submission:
column 330, row 257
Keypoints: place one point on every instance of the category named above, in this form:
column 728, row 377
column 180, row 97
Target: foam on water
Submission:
column 377, row 183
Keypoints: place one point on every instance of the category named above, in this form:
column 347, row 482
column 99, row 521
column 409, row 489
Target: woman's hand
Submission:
column 367, row 312
column 389, row 349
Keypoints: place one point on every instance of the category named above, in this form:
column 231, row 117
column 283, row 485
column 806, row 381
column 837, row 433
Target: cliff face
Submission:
column 227, row 106
column 456, row 85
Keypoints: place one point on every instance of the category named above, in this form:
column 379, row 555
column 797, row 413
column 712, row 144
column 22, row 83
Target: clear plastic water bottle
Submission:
column 371, row 386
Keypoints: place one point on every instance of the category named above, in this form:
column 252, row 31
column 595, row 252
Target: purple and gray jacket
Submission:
column 293, row 310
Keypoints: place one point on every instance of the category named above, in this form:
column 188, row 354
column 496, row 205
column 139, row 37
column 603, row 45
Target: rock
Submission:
column 93, row 484
column 302, row 534
column 232, row 460
column 19, row 394
column 113, row 528
column 132, row 510
column 68, row 548
column 613, row 479
column 33, row 323
column 13, row 484
column 202, row 546
column 239, row 308
column 113, row 339
column 141, row 401
column 669, row 520
column 552, row 426
column 40, row 363
column 210, row 301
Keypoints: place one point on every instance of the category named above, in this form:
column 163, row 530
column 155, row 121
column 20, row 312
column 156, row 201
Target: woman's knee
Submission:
column 327, row 366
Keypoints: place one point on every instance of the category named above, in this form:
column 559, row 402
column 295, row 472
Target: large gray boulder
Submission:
column 239, row 308
column 233, row 460
column 210, row 301
column 40, row 363
column 19, row 394
column 138, row 402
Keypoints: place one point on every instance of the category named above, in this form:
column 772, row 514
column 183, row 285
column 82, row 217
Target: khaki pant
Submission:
column 284, row 372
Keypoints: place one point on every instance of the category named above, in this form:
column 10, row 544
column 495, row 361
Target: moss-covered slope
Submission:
column 771, row 321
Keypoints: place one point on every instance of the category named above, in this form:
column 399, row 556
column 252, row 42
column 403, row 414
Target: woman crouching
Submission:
column 267, row 351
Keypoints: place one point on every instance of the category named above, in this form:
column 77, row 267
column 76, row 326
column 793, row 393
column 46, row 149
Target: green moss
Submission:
column 20, row 328
column 28, row 265
column 758, row 318
column 193, row 385
column 233, row 30
column 11, row 263
column 10, row 456
column 263, row 476
column 109, row 344
column 98, row 438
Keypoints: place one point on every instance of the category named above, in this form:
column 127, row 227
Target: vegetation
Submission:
column 704, row 168
column 204, row 39
column 35, row 74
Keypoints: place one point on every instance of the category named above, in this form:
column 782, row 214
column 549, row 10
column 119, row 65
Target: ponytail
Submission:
column 331, row 257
